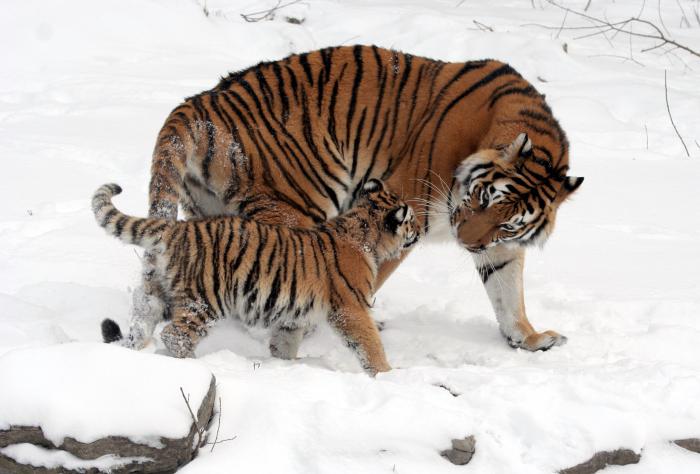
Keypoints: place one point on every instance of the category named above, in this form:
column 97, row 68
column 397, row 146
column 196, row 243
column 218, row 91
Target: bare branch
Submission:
column 566, row 14
column 684, row 18
column 619, row 27
column 482, row 26
column 668, row 107
column 646, row 131
column 218, row 426
column 268, row 14
column 661, row 20
column 200, row 430
column 616, row 56
column 641, row 10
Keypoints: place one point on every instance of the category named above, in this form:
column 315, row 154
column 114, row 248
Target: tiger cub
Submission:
column 276, row 276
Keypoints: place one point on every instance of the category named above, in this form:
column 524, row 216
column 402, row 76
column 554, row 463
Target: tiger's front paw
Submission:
column 373, row 369
column 539, row 341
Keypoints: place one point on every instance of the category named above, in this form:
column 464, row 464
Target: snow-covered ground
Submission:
column 85, row 86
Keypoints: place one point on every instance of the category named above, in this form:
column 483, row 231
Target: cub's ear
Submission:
column 396, row 217
column 372, row 186
column 400, row 214
column 568, row 186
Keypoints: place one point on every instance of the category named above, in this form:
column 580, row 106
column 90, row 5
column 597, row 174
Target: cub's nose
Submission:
column 412, row 239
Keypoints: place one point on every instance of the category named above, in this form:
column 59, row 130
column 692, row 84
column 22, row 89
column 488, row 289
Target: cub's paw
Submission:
column 177, row 342
column 539, row 341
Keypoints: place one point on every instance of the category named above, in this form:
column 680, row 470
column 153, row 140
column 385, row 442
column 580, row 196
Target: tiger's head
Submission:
column 497, row 199
column 395, row 221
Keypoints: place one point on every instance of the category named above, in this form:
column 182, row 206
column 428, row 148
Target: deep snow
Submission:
column 85, row 87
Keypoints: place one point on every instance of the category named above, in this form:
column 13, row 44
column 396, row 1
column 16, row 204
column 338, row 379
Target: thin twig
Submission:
column 668, row 107
column 200, row 431
column 223, row 440
column 218, row 426
column 661, row 20
column 646, row 131
column 585, row 9
column 684, row 18
column 619, row 27
column 641, row 10
column 566, row 14
column 615, row 56
column 482, row 26
column 697, row 144
column 266, row 14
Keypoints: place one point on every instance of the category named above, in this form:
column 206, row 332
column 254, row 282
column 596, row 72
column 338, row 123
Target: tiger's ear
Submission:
column 568, row 186
column 372, row 186
column 520, row 148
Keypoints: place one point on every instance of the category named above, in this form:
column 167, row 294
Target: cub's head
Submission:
column 500, row 196
column 394, row 219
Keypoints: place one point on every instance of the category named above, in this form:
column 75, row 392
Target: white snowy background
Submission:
column 85, row 87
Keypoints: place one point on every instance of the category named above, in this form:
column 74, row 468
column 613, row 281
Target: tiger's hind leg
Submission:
column 357, row 328
column 285, row 341
column 501, row 271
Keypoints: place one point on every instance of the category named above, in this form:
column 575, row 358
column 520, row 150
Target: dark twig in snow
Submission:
column 615, row 56
column 684, row 18
column 661, row 20
column 566, row 14
column 668, row 107
column 646, row 131
column 266, row 14
column 218, row 427
column 641, row 10
column 200, row 431
column 482, row 26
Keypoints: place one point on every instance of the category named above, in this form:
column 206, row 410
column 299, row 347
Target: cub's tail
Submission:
column 110, row 331
column 145, row 232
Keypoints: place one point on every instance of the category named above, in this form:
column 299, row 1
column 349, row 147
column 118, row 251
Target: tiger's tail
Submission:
column 144, row 232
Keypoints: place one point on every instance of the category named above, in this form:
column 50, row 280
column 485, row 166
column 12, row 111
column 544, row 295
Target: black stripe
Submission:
column 527, row 91
column 304, row 61
column 281, row 90
column 485, row 272
column 357, row 53
column 356, row 144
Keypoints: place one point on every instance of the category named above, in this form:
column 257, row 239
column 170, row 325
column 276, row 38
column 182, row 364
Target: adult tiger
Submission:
column 292, row 141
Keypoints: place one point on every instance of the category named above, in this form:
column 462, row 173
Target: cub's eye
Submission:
column 507, row 227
